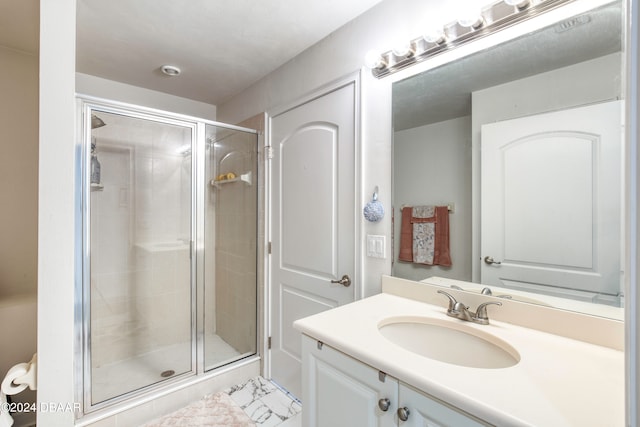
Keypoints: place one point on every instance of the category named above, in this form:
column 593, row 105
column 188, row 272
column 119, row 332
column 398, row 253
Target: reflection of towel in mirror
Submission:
column 406, row 236
column 424, row 235
column 423, row 219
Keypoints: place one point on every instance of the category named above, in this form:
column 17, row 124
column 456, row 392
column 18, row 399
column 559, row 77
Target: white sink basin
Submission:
column 449, row 342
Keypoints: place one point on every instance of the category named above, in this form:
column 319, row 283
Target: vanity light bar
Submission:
column 494, row 17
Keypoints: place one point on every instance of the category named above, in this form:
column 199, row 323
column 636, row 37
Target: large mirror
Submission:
column 523, row 143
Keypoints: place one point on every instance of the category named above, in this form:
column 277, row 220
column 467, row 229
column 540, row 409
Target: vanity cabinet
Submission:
column 338, row 390
column 426, row 411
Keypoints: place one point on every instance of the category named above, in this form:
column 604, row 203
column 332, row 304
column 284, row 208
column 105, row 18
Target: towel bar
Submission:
column 450, row 206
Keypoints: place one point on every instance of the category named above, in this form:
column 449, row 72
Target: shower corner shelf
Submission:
column 245, row 177
column 96, row 187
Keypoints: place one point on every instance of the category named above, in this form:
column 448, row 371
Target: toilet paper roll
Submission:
column 30, row 378
column 8, row 386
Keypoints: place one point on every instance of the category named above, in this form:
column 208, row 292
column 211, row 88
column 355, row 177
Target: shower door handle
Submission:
column 344, row 281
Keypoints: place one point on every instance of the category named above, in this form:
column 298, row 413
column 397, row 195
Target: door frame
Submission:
column 351, row 78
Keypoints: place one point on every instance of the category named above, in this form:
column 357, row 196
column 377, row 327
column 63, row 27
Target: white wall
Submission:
column 56, row 211
column 432, row 166
column 121, row 92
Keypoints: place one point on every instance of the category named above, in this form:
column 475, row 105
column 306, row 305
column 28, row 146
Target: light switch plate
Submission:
column 376, row 246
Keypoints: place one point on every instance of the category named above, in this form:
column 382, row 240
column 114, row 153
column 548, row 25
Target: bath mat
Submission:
column 217, row 410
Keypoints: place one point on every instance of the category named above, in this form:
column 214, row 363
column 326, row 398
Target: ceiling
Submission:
column 221, row 46
column 445, row 93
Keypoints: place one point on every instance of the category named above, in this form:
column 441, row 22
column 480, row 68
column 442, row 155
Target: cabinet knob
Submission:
column 403, row 413
column 384, row 404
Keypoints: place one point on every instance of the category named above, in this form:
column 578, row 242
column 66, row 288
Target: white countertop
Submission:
column 558, row 382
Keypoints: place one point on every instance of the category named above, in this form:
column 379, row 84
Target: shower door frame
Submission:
column 85, row 105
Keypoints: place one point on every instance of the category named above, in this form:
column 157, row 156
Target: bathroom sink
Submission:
column 450, row 342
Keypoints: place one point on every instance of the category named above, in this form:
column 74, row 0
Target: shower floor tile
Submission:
column 217, row 351
column 115, row 379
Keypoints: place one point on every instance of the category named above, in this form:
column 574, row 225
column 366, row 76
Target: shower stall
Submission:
column 169, row 249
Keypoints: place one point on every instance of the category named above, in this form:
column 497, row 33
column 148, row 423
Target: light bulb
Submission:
column 520, row 4
column 435, row 35
column 402, row 49
column 374, row 60
column 471, row 22
column 517, row 3
column 472, row 19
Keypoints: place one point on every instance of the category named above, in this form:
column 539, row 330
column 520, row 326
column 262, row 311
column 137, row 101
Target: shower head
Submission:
column 96, row 122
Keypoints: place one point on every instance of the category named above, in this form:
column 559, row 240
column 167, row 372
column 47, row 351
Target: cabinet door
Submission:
column 338, row 390
column 425, row 411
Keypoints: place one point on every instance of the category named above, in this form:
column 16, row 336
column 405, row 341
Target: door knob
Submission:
column 489, row 260
column 344, row 281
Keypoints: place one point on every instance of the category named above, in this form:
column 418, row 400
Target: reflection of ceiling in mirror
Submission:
column 445, row 92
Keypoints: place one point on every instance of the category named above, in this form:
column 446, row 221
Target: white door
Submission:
column 312, row 221
column 551, row 200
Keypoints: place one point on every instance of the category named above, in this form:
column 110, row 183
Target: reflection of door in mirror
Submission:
column 438, row 116
column 551, row 203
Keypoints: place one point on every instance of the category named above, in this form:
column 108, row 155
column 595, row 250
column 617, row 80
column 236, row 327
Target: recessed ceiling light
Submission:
column 170, row 70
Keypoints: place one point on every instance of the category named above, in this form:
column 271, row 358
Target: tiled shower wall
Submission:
column 235, row 237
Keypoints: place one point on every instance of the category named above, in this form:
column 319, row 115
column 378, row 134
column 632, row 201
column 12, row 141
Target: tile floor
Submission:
column 255, row 403
column 266, row 404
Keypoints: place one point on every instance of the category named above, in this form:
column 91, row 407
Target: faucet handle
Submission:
column 452, row 300
column 454, row 306
column 487, row 291
column 481, row 313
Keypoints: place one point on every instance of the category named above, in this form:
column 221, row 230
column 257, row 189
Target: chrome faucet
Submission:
column 487, row 291
column 460, row 311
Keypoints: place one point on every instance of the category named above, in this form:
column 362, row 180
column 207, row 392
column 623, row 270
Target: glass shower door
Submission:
column 140, row 229
column 231, row 251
